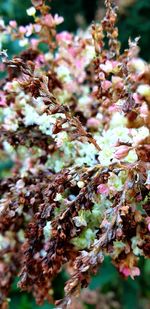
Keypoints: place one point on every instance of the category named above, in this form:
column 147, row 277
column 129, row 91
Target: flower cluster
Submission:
column 75, row 121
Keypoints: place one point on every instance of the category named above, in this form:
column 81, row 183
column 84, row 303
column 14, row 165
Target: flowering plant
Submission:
column 75, row 121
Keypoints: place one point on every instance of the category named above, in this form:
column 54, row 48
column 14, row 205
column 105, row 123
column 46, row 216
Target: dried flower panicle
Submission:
column 75, row 122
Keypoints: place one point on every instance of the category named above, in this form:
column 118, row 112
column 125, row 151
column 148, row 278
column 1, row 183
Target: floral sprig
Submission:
column 75, row 121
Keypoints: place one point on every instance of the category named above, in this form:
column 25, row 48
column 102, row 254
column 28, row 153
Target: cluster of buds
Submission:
column 75, row 123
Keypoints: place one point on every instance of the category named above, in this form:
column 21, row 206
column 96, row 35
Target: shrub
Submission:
column 75, row 118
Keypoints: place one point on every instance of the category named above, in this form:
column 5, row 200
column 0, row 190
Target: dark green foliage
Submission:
column 136, row 23
column 5, row 167
column 15, row 10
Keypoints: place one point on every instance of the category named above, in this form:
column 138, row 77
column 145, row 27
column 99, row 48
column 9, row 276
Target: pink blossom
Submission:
column 81, row 77
column 103, row 189
column 58, row 19
column 137, row 98
column 37, row 27
column 79, row 64
column 48, row 20
column 101, row 76
column 51, row 21
column 144, row 110
column 64, row 36
column 135, row 271
column 106, row 102
column 115, row 64
column 121, row 152
column 107, row 67
column 114, row 108
column 13, row 23
column 95, row 88
column 34, row 43
column 22, row 29
column 2, row 99
column 106, row 84
column 29, row 30
column 93, row 123
column 37, row 3
column 72, row 51
column 117, row 82
column 125, row 270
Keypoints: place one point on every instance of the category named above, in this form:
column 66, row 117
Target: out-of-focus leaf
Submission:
column 130, row 294
column 106, row 274
column 14, row 287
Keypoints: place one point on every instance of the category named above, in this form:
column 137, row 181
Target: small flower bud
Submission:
column 93, row 123
column 31, row 11
column 13, row 23
column 80, row 184
column 122, row 152
column 106, row 84
column 107, row 67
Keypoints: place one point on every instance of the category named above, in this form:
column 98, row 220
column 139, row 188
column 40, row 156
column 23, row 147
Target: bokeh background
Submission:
column 107, row 289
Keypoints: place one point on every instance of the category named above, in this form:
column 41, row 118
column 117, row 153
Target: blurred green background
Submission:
column 133, row 20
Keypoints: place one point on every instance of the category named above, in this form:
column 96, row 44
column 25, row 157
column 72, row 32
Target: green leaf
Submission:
column 106, row 275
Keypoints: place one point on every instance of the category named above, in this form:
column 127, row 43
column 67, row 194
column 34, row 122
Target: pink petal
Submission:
column 103, row 189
